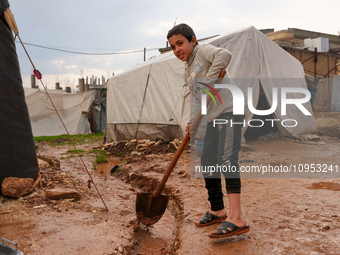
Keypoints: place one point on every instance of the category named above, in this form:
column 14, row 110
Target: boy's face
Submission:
column 181, row 47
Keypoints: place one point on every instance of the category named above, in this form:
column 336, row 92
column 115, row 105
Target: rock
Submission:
column 309, row 137
column 150, row 143
column 16, row 187
column 136, row 153
column 320, row 133
column 108, row 145
column 42, row 163
column 142, row 145
column 37, row 180
column 173, row 146
column 246, row 147
column 53, row 162
column 61, row 193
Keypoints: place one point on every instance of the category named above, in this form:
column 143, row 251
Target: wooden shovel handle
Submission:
column 183, row 145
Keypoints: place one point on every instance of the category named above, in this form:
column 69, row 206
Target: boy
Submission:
column 221, row 143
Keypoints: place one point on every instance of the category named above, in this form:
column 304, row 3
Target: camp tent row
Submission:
column 44, row 119
column 146, row 101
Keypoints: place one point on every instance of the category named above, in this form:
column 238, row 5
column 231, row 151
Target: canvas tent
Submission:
column 44, row 119
column 146, row 94
column 145, row 101
column 326, row 93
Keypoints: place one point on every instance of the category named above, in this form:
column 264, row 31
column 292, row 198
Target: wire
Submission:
column 48, row 95
column 87, row 53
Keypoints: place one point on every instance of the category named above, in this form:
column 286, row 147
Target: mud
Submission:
column 105, row 169
column 325, row 185
column 286, row 216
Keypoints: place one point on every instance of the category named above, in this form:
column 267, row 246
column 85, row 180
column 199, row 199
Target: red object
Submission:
column 37, row 74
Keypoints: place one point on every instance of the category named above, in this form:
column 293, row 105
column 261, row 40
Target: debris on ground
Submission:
column 309, row 137
column 61, row 193
column 16, row 187
column 139, row 147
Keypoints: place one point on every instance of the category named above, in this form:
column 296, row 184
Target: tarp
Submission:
column 147, row 94
column 17, row 149
column 44, row 119
column 335, row 101
column 99, row 114
column 322, row 101
column 145, row 102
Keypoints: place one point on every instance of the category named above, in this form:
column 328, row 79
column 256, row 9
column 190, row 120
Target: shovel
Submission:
column 150, row 207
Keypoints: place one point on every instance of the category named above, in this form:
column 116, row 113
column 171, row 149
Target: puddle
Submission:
column 325, row 185
column 158, row 239
column 104, row 169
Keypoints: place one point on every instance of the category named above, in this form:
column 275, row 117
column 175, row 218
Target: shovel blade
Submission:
column 150, row 209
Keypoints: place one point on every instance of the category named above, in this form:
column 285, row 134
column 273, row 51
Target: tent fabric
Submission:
column 44, row 119
column 17, row 149
column 143, row 102
column 99, row 114
column 257, row 62
column 335, row 101
column 322, row 101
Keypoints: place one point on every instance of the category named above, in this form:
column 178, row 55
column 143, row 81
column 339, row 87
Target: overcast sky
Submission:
column 116, row 26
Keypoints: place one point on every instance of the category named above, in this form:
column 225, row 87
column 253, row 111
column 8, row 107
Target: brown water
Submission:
column 104, row 169
column 325, row 185
column 158, row 238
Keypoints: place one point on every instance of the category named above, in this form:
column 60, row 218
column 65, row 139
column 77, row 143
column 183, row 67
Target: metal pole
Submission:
column 144, row 53
column 315, row 60
column 328, row 63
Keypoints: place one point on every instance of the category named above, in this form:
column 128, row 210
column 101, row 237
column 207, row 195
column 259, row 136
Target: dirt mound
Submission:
column 329, row 126
column 141, row 147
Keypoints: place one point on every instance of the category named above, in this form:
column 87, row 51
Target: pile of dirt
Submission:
column 140, row 147
column 53, row 177
column 329, row 126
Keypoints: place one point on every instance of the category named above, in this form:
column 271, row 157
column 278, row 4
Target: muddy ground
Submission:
column 286, row 216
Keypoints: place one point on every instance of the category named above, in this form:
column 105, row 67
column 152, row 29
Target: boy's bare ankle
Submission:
column 219, row 213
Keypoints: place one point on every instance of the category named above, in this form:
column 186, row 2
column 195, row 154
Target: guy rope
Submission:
column 11, row 22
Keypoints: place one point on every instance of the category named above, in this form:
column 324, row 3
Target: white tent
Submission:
column 44, row 119
column 145, row 95
column 145, row 101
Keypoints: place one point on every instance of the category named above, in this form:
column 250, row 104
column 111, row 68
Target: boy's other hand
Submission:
column 189, row 130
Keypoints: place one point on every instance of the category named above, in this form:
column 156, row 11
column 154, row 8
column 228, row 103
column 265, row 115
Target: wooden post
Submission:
column 144, row 54
column 33, row 84
column 315, row 60
column 81, row 85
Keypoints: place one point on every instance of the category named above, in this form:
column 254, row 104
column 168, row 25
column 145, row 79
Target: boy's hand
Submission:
column 189, row 130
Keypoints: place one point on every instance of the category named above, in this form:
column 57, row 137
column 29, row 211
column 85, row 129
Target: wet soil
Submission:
column 286, row 216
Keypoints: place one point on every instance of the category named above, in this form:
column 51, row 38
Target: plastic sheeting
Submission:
column 322, row 101
column 99, row 114
column 335, row 101
column 44, row 119
column 149, row 96
column 149, row 93
column 17, row 149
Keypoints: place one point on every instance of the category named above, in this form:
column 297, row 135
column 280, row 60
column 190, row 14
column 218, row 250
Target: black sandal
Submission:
column 224, row 230
column 209, row 219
